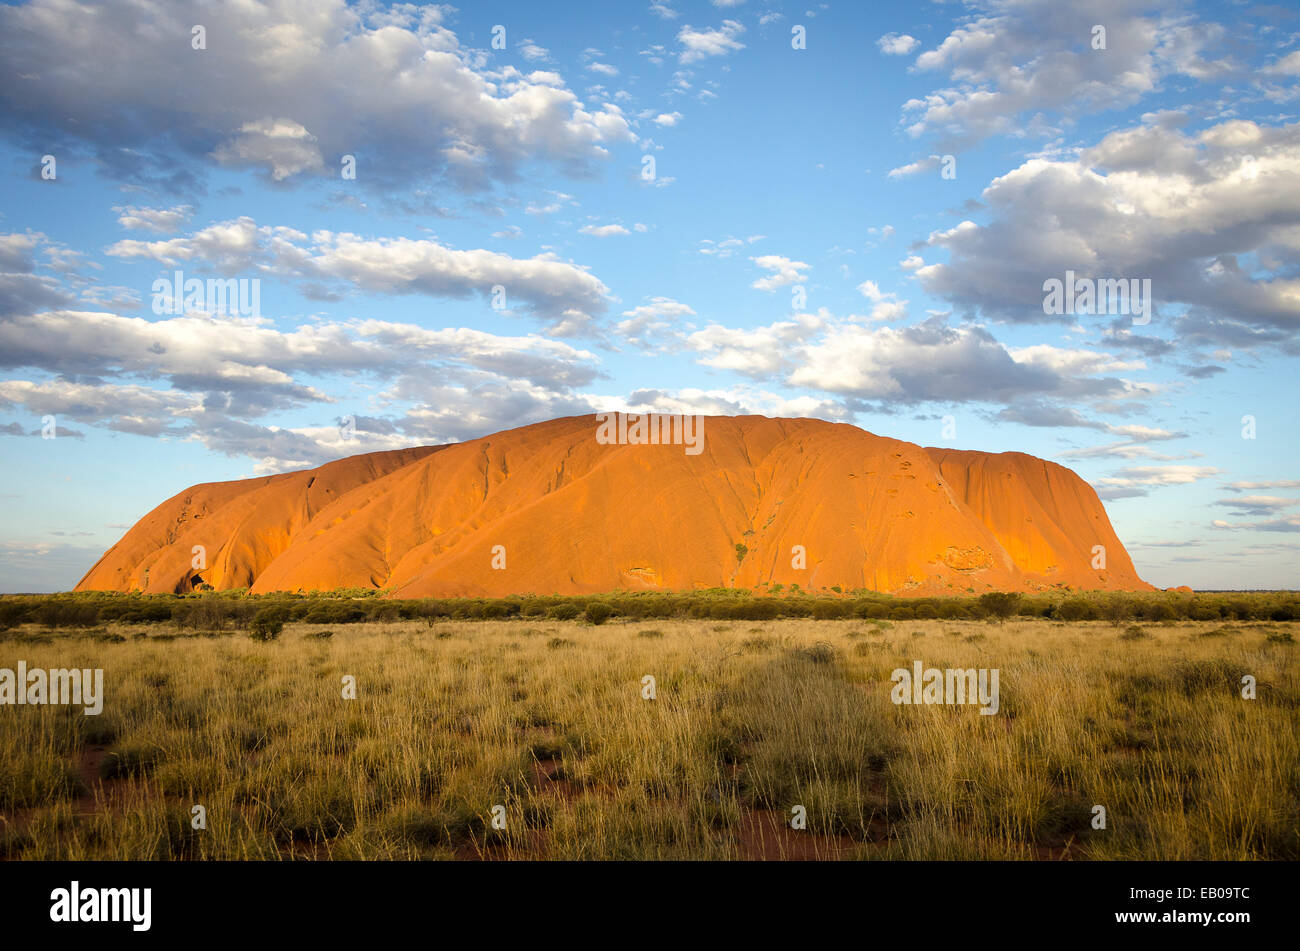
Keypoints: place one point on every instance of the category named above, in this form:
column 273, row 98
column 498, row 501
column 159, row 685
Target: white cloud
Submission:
column 281, row 146
column 921, row 165
column 701, row 44
column 546, row 285
column 392, row 86
column 850, row 358
column 885, row 306
column 759, row 351
column 897, row 44
column 1208, row 218
column 224, row 374
column 657, row 317
column 532, row 52
column 603, row 231
column 727, row 246
column 1288, row 65
column 161, row 220
column 1271, row 484
column 1009, row 65
column 784, row 271
column 1158, row 475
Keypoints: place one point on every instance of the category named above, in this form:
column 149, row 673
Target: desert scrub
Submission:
column 748, row 722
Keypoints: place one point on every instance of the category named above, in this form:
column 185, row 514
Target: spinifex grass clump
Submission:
column 533, row 738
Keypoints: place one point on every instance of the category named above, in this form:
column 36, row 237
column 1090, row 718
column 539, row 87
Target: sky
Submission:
column 451, row 221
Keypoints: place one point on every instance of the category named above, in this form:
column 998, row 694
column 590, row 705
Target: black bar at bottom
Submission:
column 966, row 901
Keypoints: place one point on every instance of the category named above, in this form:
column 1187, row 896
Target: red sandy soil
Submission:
column 578, row 517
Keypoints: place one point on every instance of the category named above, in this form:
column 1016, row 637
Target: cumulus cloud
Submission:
column 757, row 352
column 932, row 361
column 161, row 220
column 784, row 271
column 866, row 366
column 701, row 44
column 885, row 306
column 912, row 168
column 897, row 44
column 129, row 408
column 531, row 51
column 658, row 317
column 282, row 147
column 544, row 284
column 223, row 376
column 392, row 86
column 729, row 401
column 1151, row 202
column 1012, row 62
column 1288, row 65
column 17, row 251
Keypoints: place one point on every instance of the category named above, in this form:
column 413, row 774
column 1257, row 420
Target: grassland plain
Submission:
column 546, row 718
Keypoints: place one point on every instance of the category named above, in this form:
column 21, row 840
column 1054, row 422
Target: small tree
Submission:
column 1000, row 604
column 268, row 623
column 1075, row 609
column 598, row 612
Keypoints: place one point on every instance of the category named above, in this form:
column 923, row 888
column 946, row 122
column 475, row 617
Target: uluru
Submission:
column 549, row 508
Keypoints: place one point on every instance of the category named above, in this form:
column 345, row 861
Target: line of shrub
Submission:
column 215, row 611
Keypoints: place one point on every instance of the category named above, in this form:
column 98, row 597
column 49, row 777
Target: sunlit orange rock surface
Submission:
column 575, row 516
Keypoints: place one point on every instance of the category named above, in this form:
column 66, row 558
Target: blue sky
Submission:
column 857, row 230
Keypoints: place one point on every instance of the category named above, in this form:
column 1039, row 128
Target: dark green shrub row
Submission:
column 209, row 611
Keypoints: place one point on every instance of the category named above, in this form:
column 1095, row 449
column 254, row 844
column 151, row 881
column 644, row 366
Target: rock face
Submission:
column 548, row 509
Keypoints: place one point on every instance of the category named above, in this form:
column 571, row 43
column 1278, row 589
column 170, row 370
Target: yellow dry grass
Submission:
column 547, row 719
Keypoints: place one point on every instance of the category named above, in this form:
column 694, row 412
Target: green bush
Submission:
column 269, row 622
column 12, row 613
column 1000, row 604
column 1076, row 609
column 1159, row 611
column 67, row 614
column 826, row 610
column 872, row 609
column 598, row 612
column 564, row 611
